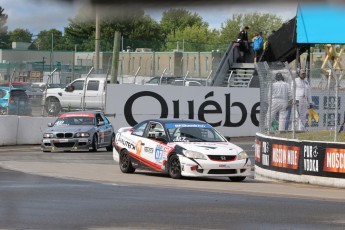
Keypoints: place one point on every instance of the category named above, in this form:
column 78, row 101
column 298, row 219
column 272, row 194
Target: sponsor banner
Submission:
column 277, row 155
column 300, row 157
column 334, row 160
column 285, row 156
column 324, row 159
column 226, row 109
column 312, row 154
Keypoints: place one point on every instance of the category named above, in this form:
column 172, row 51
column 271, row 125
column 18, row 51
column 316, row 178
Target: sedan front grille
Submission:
column 222, row 171
column 64, row 135
column 221, row 158
column 64, row 144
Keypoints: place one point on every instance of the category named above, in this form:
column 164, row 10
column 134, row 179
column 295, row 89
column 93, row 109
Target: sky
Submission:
column 37, row 15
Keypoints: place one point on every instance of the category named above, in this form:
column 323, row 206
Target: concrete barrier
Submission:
column 20, row 130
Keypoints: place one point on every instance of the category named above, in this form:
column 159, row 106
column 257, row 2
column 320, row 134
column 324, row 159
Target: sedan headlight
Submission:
column 194, row 154
column 48, row 135
column 242, row 155
column 82, row 134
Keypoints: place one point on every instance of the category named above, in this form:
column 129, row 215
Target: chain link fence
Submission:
column 321, row 119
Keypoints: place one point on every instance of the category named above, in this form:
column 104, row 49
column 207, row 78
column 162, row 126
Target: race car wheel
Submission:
column 125, row 162
column 175, row 167
column 110, row 147
column 53, row 106
column 237, row 179
column 94, row 145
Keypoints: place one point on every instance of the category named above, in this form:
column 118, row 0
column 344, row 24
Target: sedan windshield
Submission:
column 190, row 132
column 74, row 121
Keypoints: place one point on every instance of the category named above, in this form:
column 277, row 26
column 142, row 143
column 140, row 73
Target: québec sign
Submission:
column 233, row 111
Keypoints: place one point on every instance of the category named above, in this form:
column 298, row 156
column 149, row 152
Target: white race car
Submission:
column 181, row 148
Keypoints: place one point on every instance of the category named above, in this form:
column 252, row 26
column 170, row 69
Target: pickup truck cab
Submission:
column 78, row 95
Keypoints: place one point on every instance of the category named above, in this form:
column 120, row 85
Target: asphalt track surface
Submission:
column 83, row 190
column 100, row 167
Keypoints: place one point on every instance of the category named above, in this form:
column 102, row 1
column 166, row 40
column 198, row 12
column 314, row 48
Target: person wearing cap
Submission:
column 280, row 94
column 303, row 99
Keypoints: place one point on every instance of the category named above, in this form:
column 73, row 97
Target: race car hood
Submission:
column 70, row 128
column 211, row 148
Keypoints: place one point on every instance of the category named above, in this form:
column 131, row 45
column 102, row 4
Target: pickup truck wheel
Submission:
column 53, row 106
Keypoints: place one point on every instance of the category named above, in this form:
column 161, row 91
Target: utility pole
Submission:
column 97, row 42
column 115, row 62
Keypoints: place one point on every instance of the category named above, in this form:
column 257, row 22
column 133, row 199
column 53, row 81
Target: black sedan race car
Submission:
column 84, row 130
column 180, row 148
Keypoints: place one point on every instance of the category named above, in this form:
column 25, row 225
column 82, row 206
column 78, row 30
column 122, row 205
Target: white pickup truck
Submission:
column 78, row 95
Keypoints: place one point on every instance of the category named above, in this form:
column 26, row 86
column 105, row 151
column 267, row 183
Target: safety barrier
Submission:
column 310, row 162
column 20, row 130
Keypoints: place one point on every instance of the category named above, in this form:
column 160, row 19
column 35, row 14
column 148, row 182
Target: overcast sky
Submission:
column 37, row 15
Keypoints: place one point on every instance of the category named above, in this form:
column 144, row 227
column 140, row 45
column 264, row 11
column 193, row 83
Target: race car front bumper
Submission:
column 207, row 168
column 65, row 144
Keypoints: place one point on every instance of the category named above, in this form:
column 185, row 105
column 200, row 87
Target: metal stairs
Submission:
column 239, row 75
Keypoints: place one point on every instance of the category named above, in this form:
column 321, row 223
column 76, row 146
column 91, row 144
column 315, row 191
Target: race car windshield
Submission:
column 74, row 121
column 193, row 133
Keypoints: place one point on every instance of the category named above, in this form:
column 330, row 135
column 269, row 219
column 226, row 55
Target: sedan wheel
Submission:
column 175, row 167
column 110, row 147
column 94, row 144
column 125, row 163
column 237, row 179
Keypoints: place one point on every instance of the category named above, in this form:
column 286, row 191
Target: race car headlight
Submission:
column 82, row 134
column 48, row 135
column 242, row 155
column 194, row 154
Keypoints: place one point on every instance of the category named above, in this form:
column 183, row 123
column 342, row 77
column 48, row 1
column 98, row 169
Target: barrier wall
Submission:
column 20, row 130
column 311, row 162
column 233, row 111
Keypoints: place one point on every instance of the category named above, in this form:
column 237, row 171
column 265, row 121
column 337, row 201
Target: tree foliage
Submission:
column 178, row 19
column 20, row 35
column 50, row 40
column 4, row 39
column 132, row 24
column 257, row 22
column 193, row 38
column 178, row 28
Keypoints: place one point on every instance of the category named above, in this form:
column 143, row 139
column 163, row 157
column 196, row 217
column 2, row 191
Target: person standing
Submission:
column 281, row 94
column 242, row 39
column 258, row 45
column 303, row 100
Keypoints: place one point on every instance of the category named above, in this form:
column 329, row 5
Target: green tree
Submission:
column 133, row 25
column 20, row 35
column 178, row 19
column 257, row 22
column 194, row 38
column 4, row 39
column 50, row 39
